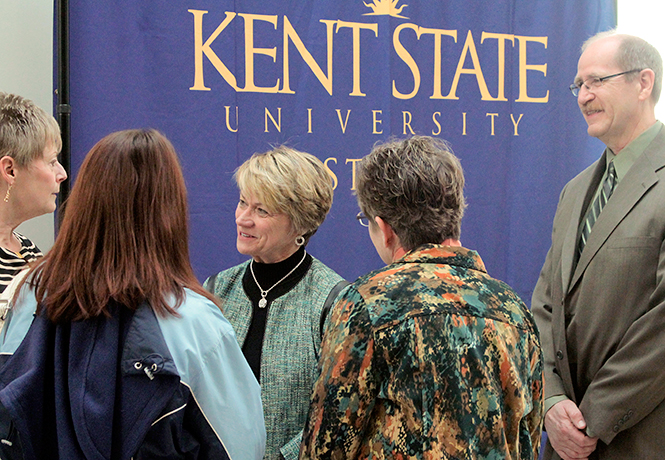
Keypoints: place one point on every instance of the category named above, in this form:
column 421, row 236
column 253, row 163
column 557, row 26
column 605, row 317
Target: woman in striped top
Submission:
column 11, row 262
column 30, row 177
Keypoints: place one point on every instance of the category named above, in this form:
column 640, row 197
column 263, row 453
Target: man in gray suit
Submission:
column 600, row 299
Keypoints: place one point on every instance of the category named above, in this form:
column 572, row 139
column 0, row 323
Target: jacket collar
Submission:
column 641, row 177
column 448, row 255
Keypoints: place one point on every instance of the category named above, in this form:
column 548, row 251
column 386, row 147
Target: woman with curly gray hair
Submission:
column 428, row 357
column 275, row 301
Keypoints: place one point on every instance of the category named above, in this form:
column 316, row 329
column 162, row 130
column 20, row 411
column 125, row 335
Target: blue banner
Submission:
column 224, row 79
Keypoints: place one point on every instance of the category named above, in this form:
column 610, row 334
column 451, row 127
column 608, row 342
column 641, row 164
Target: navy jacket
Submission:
column 106, row 388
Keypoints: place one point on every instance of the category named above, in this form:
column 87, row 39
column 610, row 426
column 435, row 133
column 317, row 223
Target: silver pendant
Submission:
column 263, row 303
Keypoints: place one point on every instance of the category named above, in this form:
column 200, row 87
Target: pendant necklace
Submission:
column 263, row 302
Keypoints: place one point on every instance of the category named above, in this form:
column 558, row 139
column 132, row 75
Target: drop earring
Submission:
column 7, row 194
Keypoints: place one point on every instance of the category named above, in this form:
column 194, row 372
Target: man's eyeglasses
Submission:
column 596, row 82
column 362, row 218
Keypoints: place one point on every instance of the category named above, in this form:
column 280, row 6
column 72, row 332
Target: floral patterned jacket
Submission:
column 428, row 358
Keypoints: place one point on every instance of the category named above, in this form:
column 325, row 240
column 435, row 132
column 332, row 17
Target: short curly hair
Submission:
column 416, row 186
column 290, row 182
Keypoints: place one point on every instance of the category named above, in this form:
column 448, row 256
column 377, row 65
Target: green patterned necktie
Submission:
column 598, row 204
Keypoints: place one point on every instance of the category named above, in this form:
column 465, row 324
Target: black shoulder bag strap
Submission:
column 329, row 302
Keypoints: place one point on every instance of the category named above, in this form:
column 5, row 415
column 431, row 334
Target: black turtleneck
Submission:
column 267, row 275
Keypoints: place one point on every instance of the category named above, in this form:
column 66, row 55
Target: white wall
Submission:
column 26, row 53
column 644, row 18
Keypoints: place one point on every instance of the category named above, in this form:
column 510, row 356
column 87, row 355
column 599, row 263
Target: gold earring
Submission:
column 7, row 194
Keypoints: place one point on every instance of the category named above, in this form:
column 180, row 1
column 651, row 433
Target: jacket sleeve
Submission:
column 291, row 449
column 210, row 362
column 18, row 321
column 344, row 394
column 631, row 383
column 542, row 305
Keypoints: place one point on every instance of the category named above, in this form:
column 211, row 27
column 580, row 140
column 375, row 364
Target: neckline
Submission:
column 263, row 301
column 268, row 274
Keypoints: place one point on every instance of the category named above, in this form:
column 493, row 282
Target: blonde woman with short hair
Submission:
column 30, row 178
column 275, row 300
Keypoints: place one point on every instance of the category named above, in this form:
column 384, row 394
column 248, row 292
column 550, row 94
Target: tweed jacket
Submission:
column 428, row 358
column 602, row 321
column 291, row 347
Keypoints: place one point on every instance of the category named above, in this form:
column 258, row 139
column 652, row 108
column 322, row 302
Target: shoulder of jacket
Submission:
column 322, row 271
column 229, row 276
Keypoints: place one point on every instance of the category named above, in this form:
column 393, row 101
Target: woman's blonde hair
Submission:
column 289, row 182
column 25, row 129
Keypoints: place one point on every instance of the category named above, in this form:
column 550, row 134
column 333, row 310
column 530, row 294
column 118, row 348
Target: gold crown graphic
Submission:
column 385, row 7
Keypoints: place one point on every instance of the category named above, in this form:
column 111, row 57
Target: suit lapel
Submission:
column 586, row 187
column 639, row 179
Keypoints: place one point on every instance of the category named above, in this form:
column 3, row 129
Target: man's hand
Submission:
column 565, row 427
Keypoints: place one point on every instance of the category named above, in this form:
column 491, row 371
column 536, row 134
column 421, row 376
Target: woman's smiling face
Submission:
column 266, row 236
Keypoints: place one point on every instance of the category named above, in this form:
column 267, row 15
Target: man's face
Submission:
column 611, row 110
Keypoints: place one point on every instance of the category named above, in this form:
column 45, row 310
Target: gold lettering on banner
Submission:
column 523, row 67
column 411, row 63
column 406, row 121
column 492, row 115
column 501, row 39
column 332, row 175
column 339, row 116
column 298, row 53
column 272, row 120
column 436, row 122
column 356, row 27
column 290, row 35
column 438, row 33
column 201, row 49
column 323, row 71
column 470, row 48
column 353, row 162
column 408, row 60
column 250, row 51
column 228, row 124
column 516, row 123
column 278, row 123
column 376, row 122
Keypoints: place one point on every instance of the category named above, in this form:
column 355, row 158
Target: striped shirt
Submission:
column 11, row 263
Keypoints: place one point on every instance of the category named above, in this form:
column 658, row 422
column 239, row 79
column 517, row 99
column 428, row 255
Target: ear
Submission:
column 8, row 169
column 646, row 78
column 389, row 236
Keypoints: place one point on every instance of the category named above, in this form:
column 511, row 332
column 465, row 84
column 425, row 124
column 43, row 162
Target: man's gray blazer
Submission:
column 602, row 322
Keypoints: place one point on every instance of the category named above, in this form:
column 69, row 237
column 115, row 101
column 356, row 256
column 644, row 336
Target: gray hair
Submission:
column 416, row 186
column 290, row 182
column 634, row 53
column 25, row 129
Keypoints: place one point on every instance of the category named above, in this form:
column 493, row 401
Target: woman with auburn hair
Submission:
column 113, row 349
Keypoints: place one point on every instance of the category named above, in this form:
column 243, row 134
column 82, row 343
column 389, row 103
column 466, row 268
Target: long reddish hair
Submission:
column 124, row 234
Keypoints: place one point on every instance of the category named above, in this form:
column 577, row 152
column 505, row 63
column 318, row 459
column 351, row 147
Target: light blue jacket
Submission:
column 207, row 360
